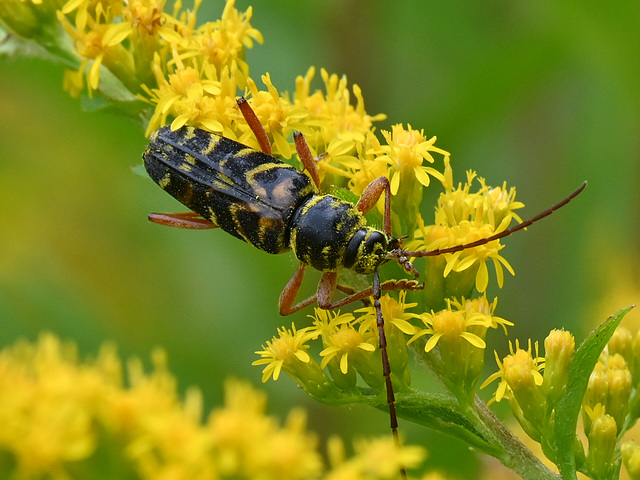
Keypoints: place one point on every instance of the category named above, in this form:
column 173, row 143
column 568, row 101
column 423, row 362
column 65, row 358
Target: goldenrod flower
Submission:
column 459, row 332
column 520, row 382
column 621, row 342
column 451, row 326
column 276, row 114
column 397, row 325
column 506, row 371
column 331, row 114
column 349, row 348
column 248, row 444
column 290, row 348
column 333, row 127
column 60, row 416
column 394, row 313
column 464, row 217
column 339, row 337
column 558, row 347
column 406, row 151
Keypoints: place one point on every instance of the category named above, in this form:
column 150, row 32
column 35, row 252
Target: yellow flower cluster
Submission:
column 60, row 416
column 350, row 348
column 463, row 216
column 534, row 385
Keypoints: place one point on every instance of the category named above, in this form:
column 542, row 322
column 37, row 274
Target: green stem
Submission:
column 513, row 454
column 474, row 424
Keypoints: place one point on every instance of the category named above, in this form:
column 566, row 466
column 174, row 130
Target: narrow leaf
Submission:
column 568, row 409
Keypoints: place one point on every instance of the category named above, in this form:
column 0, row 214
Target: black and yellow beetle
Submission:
column 272, row 206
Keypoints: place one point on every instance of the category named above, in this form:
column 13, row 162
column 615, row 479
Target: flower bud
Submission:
column 558, row 346
column 602, row 445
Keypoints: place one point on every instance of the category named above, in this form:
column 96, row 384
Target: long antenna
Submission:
column 433, row 253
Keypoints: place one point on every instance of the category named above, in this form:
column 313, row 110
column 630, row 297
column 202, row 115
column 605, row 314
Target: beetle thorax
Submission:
column 322, row 229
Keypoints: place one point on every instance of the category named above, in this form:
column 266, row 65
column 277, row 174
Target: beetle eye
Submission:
column 376, row 243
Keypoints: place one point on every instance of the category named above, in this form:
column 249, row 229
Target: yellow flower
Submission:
column 276, row 114
column 464, row 217
column 405, row 152
column 519, row 367
column 334, row 128
column 631, row 458
column 339, row 337
column 451, row 325
column 289, row 348
column 248, row 444
column 610, row 385
column 394, row 313
column 60, row 416
column 223, row 42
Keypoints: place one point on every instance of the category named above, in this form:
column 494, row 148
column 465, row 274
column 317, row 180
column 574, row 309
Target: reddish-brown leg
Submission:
column 255, row 125
column 327, row 285
column 290, row 292
column 370, row 197
column 309, row 163
column 190, row 220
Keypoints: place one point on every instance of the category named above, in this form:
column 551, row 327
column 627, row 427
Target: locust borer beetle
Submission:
column 272, row 206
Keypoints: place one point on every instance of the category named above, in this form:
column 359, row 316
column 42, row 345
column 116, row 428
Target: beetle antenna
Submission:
column 401, row 255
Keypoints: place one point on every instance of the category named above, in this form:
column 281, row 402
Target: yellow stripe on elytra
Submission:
column 165, row 180
column 189, row 133
column 234, row 208
column 214, row 139
column 212, row 216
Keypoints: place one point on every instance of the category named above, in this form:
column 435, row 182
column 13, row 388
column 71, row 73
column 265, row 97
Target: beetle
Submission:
column 272, row 206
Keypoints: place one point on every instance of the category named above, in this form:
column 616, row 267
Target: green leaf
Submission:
column 568, row 409
column 440, row 412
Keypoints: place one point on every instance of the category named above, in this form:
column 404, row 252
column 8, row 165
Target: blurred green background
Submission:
column 541, row 94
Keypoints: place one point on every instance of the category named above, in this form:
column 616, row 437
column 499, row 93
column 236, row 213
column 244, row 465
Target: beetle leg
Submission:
column 290, row 292
column 309, row 163
column 327, row 285
column 326, row 289
column 254, row 124
column 370, row 197
column 386, row 368
column 190, row 220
